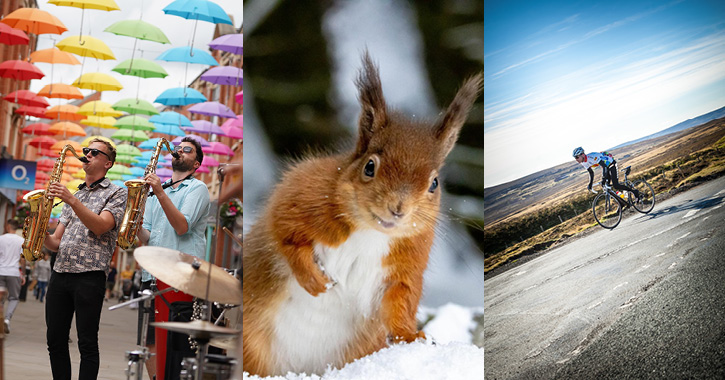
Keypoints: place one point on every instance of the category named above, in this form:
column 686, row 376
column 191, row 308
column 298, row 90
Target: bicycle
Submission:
column 608, row 206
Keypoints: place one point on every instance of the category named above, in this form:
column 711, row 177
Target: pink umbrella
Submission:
column 236, row 122
column 209, row 161
column 240, row 97
column 202, row 169
column 218, row 148
column 233, row 132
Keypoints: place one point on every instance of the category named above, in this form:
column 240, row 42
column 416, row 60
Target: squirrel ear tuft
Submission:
column 373, row 113
column 450, row 125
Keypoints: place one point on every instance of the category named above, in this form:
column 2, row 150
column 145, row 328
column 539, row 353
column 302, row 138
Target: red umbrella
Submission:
column 40, row 129
column 12, row 36
column 26, row 97
column 42, row 142
column 38, row 112
column 40, row 176
column 46, row 164
column 20, row 70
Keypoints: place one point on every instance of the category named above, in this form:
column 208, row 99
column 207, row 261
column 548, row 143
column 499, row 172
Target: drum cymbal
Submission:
column 225, row 342
column 190, row 274
column 197, row 329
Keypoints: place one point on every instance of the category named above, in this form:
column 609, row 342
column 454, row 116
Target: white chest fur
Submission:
column 312, row 332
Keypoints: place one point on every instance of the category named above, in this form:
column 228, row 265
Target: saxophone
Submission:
column 36, row 224
column 138, row 191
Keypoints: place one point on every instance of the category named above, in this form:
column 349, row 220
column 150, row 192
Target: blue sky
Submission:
column 563, row 74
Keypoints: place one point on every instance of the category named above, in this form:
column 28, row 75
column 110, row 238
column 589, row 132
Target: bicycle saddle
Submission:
column 627, row 170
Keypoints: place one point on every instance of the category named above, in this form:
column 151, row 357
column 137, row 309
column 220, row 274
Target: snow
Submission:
column 447, row 354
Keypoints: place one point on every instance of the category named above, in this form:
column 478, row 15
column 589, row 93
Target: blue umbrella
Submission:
column 198, row 10
column 180, row 96
column 136, row 171
column 187, row 54
column 169, row 129
column 151, row 144
column 171, row 118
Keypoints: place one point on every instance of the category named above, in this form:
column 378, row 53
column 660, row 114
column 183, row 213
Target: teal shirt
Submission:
column 192, row 199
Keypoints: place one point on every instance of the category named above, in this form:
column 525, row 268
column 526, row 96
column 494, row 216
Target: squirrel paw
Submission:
column 315, row 283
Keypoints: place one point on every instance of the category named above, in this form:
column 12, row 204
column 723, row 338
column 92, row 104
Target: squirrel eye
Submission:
column 433, row 186
column 369, row 169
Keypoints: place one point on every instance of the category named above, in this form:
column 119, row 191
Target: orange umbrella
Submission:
column 53, row 55
column 74, row 162
column 64, row 112
column 66, row 128
column 42, row 142
column 60, row 90
column 60, row 144
column 33, row 20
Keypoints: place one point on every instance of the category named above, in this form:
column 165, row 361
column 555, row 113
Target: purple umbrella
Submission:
column 200, row 139
column 164, row 173
column 203, row 126
column 218, row 148
column 233, row 43
column 227, row 75
column 212, row 109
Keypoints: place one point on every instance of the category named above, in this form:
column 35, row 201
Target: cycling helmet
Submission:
column 578, row 151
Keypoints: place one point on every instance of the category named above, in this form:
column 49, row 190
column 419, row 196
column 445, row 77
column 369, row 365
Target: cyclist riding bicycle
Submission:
column 609, row 170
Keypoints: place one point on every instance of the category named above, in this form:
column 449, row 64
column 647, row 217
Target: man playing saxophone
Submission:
column 85, row 240
column 175, row 217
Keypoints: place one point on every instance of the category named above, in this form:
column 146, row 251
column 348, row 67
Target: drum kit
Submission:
column 201, row 279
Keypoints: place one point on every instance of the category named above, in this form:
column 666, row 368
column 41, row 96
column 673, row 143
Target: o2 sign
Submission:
column 17, row 174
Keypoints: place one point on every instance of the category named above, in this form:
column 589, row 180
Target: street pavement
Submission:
column 645, row 300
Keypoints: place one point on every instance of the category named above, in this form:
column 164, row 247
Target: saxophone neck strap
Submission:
column 83, row 185
column 169, row 184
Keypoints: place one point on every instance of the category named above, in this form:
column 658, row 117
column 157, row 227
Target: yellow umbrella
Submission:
column 97, row 82
column 101, row 5
column 73, row 185
column 79, row 174
column 86, row 46
column 88, row 141
column 105, row 122
column 98, row 108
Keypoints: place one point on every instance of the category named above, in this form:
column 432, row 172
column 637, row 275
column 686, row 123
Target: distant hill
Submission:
column 718, row 113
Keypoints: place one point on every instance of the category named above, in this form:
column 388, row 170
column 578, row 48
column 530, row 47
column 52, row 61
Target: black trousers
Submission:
column 80, row 294
column 611, row 173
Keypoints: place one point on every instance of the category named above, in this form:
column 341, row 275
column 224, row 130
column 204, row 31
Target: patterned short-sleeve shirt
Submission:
column 80, row 249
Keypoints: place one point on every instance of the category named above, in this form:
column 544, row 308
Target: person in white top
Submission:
column 609, row 170
column 12, row 267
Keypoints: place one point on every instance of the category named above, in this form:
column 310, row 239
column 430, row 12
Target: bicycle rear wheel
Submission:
column 647, row 196
column 607, row 211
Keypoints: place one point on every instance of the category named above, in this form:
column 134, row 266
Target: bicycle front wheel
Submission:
column 607, row 211
column 647, row 197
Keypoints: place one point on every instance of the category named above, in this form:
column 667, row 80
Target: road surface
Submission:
column 645, row 300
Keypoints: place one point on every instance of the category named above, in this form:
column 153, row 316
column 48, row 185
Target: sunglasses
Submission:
column 94, row 152
column 185, row 149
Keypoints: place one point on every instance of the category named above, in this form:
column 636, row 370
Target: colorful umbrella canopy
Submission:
column 209, row 161
column 226, row 75
column 212, row 109
column 102, row 5
column 233, row 132
column 12, row 36
column 128, row 150
column 238, row 121
column 138, row 29
column 106, row 122
column 45, row 164
column 169, row 129
column 26, row 98
column 203, row 126
column 232, row 43
column 40, row 129
column 201, row 10
column 73, row 162
column 171, row 118
column 86, row 46
column 42, row 142
column 54, row 56
column 200, row 139
column 135, row 106
column 119, row 169
column 66, row 128
column 130, row 135
column 202, row 169
column 20, row 70
column 239, row 97
column 180, row 96
column 60, row 144
column 104, row 138
column 140, row 67
column 33, row 20
column 97, row 82
column 151, row 144
column 98, row 108
column 60, row 90
column 64, row 112
column 126, row 160
column 38, row 112
column 218, row 148
column 187, row 54
column 134, row 122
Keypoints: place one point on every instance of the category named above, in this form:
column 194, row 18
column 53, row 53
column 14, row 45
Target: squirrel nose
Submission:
column 397, row 211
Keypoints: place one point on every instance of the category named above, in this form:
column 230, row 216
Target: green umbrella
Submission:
column 119, row 169
column 126, row 159
column 139, row 29
column 140, row 67
column 134, row 122
column 128, row 150
column 130, row 135
column 135, row 106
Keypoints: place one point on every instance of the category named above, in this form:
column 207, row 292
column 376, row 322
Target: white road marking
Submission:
column 640, row 270
column 595, row 305
column 622, row 284
column 678, row 239
column 672, row 266
column 520, row 273
column 720, row 192
column 691, row 213
column 660, row 255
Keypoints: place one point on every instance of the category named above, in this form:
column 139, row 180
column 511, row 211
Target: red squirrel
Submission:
column 333, row 268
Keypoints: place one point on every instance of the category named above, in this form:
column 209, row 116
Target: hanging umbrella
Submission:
column 171, row 118
column 60, row 90
column 209, row 161
column 233, row 132
column 53, row 55
column 12, row 36
column 45, row 165
column 130, row 135
column 64, row 112
column 73, row 162
column 187, row 54
column 135, row 106
column 105, row 122
column 134, row 122
column 86, row 46
column 26, row 98
column 226, row 75
column 91, row 138
column 238, row 121
column 102, row 5
column 200, row 139
column 203, row 169
column 67, row 128
column 240, row 97
column 98, row 108
column 38, row 112
column 168, row 129
column 39, row 129
column 232, row 43
column 40, row 176
column 140, row 67
column 151, row 144
column 128, row 150
column 20, row 70
column 79, row 174
column 201, row 10
column 203, row 126
column 119, row 169
column 33, row 20
column 212, row 109
column 218, row 148
column 180, row 96
column 58, row 146
column 97, row 82
column 136, row 171
column 126, row 159
column 138, row 29
column 42, row 142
